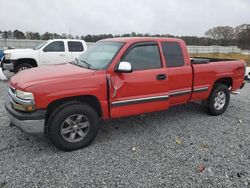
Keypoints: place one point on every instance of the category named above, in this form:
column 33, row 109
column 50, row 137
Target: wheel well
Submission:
column 27, row 60
column 89, row 99
column 228, row 81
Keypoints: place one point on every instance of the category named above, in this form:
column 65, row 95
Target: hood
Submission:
column 18, row 51
column 50, row 73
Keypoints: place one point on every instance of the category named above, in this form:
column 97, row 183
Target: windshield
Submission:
column 100, row 55
column 39, row 46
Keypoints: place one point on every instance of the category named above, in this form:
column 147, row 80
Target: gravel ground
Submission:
column 181, row 147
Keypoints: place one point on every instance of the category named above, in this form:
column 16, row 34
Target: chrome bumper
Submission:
column 29, row 123
column 31, row 127
column 8, row 66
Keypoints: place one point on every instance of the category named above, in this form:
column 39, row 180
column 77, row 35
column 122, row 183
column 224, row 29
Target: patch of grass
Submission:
column 225, row 56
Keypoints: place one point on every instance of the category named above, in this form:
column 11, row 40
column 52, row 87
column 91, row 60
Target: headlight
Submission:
column 24, row 95
column 7, row 56
column 21, row 100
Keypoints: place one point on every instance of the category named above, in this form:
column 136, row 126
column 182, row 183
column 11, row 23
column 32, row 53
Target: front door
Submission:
column 143, row 90
column 53, row 53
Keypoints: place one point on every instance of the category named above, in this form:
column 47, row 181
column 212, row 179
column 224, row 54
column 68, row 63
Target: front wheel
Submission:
column 22, row 66
column 73, row 127
column 218, row 100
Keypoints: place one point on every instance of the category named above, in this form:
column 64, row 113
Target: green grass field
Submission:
column 228, row 56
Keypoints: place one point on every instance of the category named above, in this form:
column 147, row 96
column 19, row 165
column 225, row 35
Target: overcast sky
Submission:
column 176, row 17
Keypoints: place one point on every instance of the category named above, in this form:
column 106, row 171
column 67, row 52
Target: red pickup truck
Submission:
column 115, row 78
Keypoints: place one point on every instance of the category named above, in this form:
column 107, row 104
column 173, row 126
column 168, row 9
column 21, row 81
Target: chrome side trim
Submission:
column 202, row 89
column 139, row 100
column 157, row 98
column 179, row 93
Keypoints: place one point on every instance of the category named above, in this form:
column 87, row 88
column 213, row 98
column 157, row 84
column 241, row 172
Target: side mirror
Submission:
column 124, row 67
column 45, row 49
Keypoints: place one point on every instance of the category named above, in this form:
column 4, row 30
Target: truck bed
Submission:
column 204, row 60
column 206, row 71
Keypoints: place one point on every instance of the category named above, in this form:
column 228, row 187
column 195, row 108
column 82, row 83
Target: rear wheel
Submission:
column 22, row 66
column 218, row 100
column 73, row 127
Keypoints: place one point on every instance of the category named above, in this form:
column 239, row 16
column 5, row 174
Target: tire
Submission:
column 64, row 123
column 218, row 100
column 22, row 66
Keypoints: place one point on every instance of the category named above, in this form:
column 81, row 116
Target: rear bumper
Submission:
column 29, row 123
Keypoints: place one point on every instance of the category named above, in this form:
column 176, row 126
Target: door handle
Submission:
column 161, row 77
column 62, row 55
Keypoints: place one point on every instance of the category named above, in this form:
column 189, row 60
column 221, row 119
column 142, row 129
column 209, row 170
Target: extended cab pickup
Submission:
column 115, row 78
column 51, row 52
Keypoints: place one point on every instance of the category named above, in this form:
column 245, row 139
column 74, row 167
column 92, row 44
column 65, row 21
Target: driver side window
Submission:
column 57, row 46
column 144, row 57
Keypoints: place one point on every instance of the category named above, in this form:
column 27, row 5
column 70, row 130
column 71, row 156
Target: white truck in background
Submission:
column 247, row 76
column 54, row 51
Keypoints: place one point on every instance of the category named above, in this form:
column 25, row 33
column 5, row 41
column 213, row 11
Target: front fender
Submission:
column 17, row 56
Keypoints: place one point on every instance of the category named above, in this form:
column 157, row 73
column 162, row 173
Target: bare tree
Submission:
column 221, row 33
column 18, row 34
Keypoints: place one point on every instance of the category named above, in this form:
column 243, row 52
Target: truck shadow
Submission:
column 168, row 120
column 172, row 120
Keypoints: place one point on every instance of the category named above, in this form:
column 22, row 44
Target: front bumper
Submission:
column 8, row 65
column 243, row 84
column 29, row 123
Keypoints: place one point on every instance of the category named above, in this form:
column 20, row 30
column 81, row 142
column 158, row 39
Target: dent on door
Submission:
column 116, row 83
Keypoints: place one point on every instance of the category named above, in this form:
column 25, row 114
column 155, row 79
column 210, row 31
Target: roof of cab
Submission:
column 141, row 39
column 65, row 40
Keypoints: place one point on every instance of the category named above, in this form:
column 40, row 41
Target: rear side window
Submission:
column 57, row 46
column 144, row 57
column 173, row 54
column 75, row 46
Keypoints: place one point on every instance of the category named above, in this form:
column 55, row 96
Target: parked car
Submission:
column 116, row 78
column 1, row 54
column 51, row 52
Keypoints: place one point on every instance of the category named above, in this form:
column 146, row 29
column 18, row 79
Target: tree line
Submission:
column 221, row 35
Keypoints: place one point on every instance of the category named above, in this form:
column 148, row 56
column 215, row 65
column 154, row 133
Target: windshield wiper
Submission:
column 89, row 65
column 76, row 62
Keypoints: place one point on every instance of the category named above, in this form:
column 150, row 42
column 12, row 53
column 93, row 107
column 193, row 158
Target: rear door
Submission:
column 76, row 48
column 180, row 73
column 143, row 90
column 53, row 53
